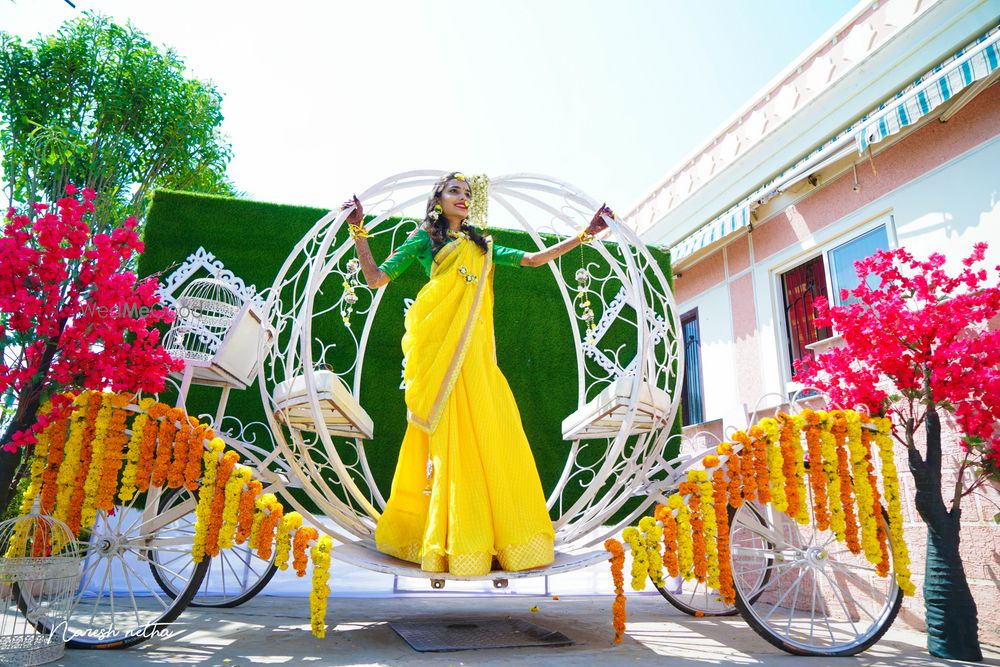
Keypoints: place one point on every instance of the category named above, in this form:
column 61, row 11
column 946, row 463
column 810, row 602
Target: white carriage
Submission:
column 616, row 440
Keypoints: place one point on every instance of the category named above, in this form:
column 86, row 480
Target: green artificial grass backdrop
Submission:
column 535, row 347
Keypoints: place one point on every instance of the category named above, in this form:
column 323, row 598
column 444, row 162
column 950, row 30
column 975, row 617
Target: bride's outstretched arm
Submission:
column 597, row 225
column 374, row 276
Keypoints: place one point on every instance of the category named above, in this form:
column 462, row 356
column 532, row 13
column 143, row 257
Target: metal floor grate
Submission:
column 445, row 635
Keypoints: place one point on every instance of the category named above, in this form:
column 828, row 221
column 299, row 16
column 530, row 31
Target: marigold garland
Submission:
column 231, row 505
column 652, row 534
column 890, row 481
column 792, row 466
column 775, row 464
column 690, row 490
column 640, row 566
column 128, row 488
column 734, row 492
column 839, row 430
column 303, row 536
column 175, row 472
column 40, row 458
column 290, row 523
column 862, row 489
column 165, row 446
column 57, row 449
column 710, row 527
column 719, row 490
column 215, row 518
column 69, row 470
column 247, row 505
column 617, row 561
column 748, row 470
column 115, row 442
column 828, row 450
column 88, row 512
column 260, row 504
column 882, row 567
column 147, row 451
column 758, row 442
column 666, row 517
column 268, row 525
column 817, row 475
column 320, row 590
column 74, row 517
column 196, row 449
column 685, row 543
column 206, row 495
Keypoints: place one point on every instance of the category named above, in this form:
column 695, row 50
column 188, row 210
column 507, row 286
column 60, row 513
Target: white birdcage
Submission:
column 206, row 310
column 39, row 575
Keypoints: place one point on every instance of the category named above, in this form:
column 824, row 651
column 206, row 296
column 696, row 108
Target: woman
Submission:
column 466, row 489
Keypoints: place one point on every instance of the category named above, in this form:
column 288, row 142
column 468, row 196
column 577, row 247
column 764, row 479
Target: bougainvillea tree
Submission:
column 918, row 342
column 71, row 318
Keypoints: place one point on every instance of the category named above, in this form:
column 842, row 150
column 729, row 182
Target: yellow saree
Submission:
column 466, row 489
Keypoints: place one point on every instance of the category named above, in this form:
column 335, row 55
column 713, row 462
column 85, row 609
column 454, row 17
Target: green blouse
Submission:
column 418, row 247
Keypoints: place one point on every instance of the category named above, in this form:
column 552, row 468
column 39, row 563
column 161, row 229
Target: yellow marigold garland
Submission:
column 78, row 498
column 882, row 567
column 707, row 506
column 265, row 538
column 57, row 449
column 640, row 565
column 839, row 430
column 775, row 464
column 261, row 504
column 685, row 544
column 890, row 482
column 652, row 534
column 320, row 590
column 719, row 490
column 617, row 561
column 39, row 461
column 128, row 486
column 68, row 471
column 862, row 490
column 691, row 490
column 290, row 523
column 99, row 443
column 231, row 505
column 828, row 450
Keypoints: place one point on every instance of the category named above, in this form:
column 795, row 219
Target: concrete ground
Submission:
column 275, row 630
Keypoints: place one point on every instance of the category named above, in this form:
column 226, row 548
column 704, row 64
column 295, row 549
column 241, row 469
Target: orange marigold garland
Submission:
column 666, row 517
column 66, row 476
column 196, row 451
column 719, row 488
column 128, row 487
column 76, row 501
column 882, row 566
column 165, row 446
column 748, row 489
column 300, row 543
column 817, row 476
column 206, row 495
column 149, row 451
column 734, row 493
column 272, row 516
column 57, row 449
column 758, row 443
column 245, row 523
column 175, row 473
column 617, row 561
column 115, row 442
column 699, row 564
column 789, row 439
column 215, row 517
column 839, row 430
column 828, row 447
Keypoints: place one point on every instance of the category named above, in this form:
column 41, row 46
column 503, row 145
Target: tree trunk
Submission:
column 952, row 619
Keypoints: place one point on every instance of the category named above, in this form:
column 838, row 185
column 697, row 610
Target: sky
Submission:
column 322, row 99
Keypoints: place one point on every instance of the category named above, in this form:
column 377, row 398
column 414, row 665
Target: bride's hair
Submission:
column 437, row 226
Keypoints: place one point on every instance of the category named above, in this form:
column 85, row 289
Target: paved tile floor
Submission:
column 271, row 630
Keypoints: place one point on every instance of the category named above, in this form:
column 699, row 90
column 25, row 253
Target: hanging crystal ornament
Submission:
column 583, row 301
column 350, row 296
column 479, row 206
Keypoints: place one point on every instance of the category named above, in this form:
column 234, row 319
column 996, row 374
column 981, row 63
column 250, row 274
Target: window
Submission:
column 807, row 282
column 691, row 389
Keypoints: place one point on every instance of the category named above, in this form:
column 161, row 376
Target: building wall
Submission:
column 936, row 190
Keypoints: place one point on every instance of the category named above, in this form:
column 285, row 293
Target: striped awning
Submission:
column 727, row 223
column 976, row 61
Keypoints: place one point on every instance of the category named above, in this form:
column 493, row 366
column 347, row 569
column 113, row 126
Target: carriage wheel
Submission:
column 819, row 599
column 118, row 605
column 697, row 599
column 234, row 576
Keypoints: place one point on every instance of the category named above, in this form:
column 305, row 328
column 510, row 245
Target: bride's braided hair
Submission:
column 438, row 228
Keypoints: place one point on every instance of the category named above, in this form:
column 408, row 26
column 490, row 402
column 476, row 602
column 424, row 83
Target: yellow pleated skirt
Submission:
column 483, row 500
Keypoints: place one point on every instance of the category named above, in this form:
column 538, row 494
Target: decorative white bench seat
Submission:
column 602, row 416
column 342, row 414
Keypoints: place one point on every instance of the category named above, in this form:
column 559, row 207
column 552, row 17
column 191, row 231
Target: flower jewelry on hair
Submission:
column 435, row 213
column 459, row 177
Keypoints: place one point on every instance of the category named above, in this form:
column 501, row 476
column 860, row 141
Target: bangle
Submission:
column 358, row 230
column 584, row 237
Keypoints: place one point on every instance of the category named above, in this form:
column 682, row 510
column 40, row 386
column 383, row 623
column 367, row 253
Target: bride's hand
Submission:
column 597, row 224
column 357, row 216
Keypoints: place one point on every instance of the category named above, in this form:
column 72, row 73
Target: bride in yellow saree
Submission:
column 466, row 490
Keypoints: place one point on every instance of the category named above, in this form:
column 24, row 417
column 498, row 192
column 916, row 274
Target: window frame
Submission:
column 883, row 219
column 692, row 315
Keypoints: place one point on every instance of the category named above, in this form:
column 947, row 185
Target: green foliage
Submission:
column 96, row 104
column 535, row 347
